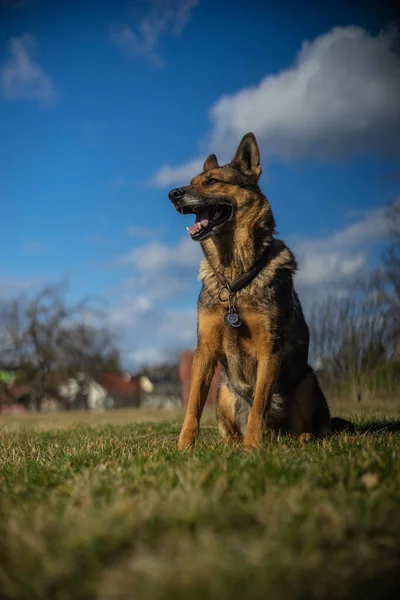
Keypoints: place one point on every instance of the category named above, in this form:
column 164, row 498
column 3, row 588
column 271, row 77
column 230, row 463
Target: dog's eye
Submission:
column 212, row 181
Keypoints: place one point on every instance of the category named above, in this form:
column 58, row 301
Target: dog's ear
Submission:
column 247, row 157
column 210, row 163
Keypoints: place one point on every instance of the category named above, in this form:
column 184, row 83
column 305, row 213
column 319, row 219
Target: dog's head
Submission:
column 222, row 197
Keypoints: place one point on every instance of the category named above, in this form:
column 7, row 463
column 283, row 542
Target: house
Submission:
column 79, row 392
column 122, row 389
column 161, row 387
column 165, row 394
column 83, row 392
column 107, row 390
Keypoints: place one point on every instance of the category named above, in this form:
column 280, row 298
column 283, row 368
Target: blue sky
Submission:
column 105, row 106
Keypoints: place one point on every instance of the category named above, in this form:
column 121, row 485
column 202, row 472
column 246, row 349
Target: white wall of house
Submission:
column 69, row 390
column 96, row 394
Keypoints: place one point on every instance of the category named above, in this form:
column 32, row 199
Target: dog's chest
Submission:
column 242, row 347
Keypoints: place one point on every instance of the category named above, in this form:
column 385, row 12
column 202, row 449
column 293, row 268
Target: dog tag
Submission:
column 232, row 319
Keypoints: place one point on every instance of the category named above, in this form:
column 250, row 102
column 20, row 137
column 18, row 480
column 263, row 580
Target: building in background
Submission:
column 161, row 387
column 122, row 390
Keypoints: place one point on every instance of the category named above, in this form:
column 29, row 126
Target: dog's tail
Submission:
column 339, row 425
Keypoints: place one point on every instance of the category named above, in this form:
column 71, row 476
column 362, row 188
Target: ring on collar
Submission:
column 229, row 293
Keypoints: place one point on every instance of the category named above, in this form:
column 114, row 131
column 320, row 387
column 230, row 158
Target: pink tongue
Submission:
column 202, row 219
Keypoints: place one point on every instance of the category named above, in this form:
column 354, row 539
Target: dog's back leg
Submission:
column 322, row 416
column 309, row 412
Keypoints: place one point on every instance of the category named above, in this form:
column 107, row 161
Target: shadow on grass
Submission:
column 379, row 427
column 340, row 425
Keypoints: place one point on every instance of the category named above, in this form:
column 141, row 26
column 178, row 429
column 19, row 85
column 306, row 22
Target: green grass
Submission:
column 104, row 507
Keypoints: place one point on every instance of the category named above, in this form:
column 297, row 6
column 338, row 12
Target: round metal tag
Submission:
column 233, row 319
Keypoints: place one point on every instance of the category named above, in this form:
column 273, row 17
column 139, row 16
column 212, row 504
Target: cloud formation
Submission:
column 341, row 97
column 21, row 77
column 167, row 175
column 149, row 332
column 164, row 17
column 157, row 256
column 162, row 272
column 335, row 264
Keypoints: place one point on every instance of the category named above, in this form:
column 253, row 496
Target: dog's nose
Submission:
column 175, row 194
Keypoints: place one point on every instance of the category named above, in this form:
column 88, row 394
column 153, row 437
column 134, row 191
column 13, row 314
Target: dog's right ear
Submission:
column 210, row 163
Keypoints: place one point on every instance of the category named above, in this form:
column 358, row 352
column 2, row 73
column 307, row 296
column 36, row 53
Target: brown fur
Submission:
column 267, row 381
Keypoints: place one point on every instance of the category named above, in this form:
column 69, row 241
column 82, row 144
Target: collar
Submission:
column 244, row 279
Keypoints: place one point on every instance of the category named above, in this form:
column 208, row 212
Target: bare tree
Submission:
column 350, row 338
column 386, row 279
column 43, row 334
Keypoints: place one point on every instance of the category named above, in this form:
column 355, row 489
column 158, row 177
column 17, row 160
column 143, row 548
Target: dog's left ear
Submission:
column 247, row 157
column 210, row 163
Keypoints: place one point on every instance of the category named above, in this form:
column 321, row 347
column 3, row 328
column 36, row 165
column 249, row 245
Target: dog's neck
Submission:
column 235, row 252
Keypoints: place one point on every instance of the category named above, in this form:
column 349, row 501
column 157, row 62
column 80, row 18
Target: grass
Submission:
column 104, row 507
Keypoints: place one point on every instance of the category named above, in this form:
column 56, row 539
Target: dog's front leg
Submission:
column 267, row 375
column 203, row 366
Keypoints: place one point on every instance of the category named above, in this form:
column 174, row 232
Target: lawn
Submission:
column 104, row 507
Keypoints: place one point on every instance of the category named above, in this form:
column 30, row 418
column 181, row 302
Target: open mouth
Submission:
column 208, row 219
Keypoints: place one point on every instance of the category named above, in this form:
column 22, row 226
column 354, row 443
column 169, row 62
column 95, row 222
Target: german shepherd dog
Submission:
column 249, row 315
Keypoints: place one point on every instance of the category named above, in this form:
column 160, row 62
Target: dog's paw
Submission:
column 304, row 438
column 253, row 439
column 255, row 434
column 187, row 439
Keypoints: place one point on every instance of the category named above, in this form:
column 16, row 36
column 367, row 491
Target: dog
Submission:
column 249, row 315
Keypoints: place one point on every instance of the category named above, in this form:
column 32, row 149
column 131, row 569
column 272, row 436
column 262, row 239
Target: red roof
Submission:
column 119, row 383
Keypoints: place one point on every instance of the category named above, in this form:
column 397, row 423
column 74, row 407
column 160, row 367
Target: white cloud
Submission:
column 144, row 309
column 327, row 265
column 163, row 17
column 161, row 272
column 158, row 257
column 167, row 175
column 146, row 357
column 149, row 330
column 21, row 77
column 131, row 311
column 339, row 98
column 334, row 264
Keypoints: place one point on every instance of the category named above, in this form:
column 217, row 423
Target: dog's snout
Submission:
column 176, row 194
